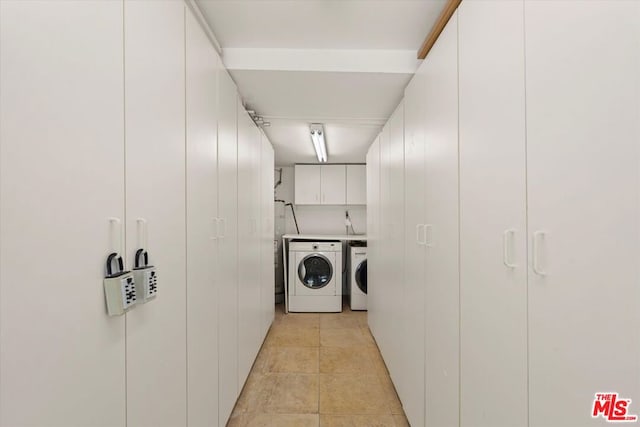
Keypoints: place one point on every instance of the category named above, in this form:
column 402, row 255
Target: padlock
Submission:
column 145, row 277
column 119, row 287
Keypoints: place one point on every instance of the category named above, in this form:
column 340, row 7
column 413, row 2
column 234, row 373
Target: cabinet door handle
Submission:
column 428, row 235
column 507, row 247
column 213, row 235
column 538, row 236
column 223, row 228
column 115, row 234
column 419, row 241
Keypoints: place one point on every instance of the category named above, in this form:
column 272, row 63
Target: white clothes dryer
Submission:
column 358, row 277
column 315, row 276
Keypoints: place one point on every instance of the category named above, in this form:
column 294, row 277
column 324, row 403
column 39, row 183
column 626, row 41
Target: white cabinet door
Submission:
column 155, row 193
column 307, row 184
column 61, row 178
column 395, row 264
column 267, row 260
column 227, row 245
column 202, row 317
column 412, row 308
column 249, row 292
column 333, row 185
column 441, row 189
column 356, row 185
column 379, row 307
column 493, row 268
column 373, row 239
column 584, row 207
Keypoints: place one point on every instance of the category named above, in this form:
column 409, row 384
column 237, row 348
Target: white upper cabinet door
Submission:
column 412, row 308
column 228, row 244
column 155, row 200
column 62, row 178
column 202, row 65
column 441, row 233
column 583, row 154
column 307, row 184
column 356, row 184
column 333, row 185
column 493, row 267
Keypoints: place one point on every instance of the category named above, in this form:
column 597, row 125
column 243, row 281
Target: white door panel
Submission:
column 155, row 192
column 61, row 178
column 202, row 65
column 441, row 223
column 493, row 295
column 227, row 245
column 584, row 196
column 412, row 308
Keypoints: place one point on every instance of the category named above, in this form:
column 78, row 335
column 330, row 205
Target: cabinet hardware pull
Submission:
column 536, row 256
column 507, row 245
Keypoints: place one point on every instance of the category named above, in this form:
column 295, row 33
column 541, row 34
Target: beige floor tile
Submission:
column 293, row 394
column 306, row 320
column 343, row 338
column 274, row 420
column 356, row 421
column 293, row 336
column 335, row 360
column 344, row 394
column 301, row 360
column 255, row 394
column 338, row 321
column 368, row 336
column 391, row 397
column 401, row 421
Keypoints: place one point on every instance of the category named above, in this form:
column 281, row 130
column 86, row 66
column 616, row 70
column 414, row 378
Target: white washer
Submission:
column 315, row 276
column 358, row 277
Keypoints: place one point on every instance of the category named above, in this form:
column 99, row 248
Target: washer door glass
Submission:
column 361, row 276
column 315, row 271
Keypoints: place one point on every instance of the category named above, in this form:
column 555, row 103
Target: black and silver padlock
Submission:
column 119, row 287
column 145, row 276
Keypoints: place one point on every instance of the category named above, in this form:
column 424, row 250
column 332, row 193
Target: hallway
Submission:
column 319, row 369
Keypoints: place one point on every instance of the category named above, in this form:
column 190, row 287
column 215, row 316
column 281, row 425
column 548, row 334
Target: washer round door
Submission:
column 361, row 276
column 315, row 271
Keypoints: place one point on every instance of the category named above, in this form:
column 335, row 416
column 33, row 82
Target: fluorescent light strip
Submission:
column 317, row 137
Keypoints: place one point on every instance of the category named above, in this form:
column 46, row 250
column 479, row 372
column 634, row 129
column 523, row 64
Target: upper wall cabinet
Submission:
column 307, row 184
column 333, row 189
column 330, row 185
column 356, row 185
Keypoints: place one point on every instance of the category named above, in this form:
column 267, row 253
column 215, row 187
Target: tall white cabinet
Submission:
column 155, row 207
column 61, row 179
column 522, row 197
column 583, row 196
column 228, row 386
column 126, row 139
column 493, row 234
column 202, row 64
column 413, row 299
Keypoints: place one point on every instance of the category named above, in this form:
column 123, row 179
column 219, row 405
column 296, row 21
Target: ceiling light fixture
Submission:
column 317, row 137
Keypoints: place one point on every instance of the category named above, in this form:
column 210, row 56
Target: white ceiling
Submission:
column 343, row 63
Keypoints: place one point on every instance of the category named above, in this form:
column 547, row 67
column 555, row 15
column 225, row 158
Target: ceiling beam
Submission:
column 446, row 14
column 324, row 60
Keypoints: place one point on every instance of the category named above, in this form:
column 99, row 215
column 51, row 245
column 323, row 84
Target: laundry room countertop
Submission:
column 342, row 237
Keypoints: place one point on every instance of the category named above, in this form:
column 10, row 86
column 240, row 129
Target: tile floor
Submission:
column 319, row 370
